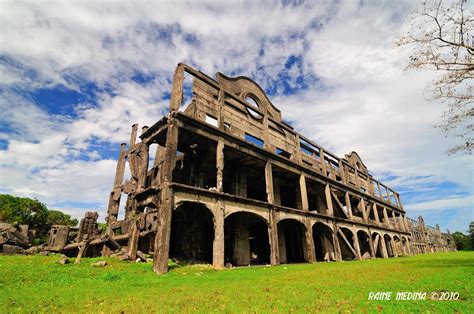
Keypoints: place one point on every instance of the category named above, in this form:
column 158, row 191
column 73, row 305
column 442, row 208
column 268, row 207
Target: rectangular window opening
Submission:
column 254, row 140
column 211, row 120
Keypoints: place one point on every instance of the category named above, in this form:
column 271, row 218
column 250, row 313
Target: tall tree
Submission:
column 442, row 38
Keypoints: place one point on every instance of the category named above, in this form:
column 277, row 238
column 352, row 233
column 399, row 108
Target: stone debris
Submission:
column 100, row 264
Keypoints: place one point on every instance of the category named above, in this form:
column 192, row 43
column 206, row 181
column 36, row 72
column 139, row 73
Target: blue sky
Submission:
column 75, row 76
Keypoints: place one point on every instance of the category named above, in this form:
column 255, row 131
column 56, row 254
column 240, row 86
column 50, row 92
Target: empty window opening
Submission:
column 195, row 161
column 252, row 101
column 254, row 140
column 246, row 240
column 286, row 188
column 323, row 243
column 244, row 175
column 355, row 202
column 291, row 241
column 211, row 120
column 309, row 149
column 283, row 153
column 192, row 233
column 316, row 196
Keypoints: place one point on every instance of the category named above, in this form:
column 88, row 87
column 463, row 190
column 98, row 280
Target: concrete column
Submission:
column 376, row 213
column 162, row 238
column 373, row 252
column 220, row 114
column 133, row 135
column 384, row 247
column 394, row 249
column 218, row 243
column 120, row 169
column 395, row 221
column 273, row 238
column 310, row 242
column 348, row 205
column 304, row 193
column 133, row 241
column 385, row 217
column 363, row 209
column 269, row 182
column 327, row 192
column 323, row 161
column 357, row 246
column 342, row 172
column 337, row 247
column 220, row 165
column 144, row 159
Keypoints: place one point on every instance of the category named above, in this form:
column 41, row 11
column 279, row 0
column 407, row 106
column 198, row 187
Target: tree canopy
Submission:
column 21, row 210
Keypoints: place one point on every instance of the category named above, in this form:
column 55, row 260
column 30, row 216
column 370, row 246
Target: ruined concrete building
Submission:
column 231, row 183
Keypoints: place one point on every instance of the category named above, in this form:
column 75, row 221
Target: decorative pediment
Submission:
column 249, row 91
column 355, row 161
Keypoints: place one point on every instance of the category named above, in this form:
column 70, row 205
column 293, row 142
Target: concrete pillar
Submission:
column 327, row 192
column 323, row 161
column 133, row 241
column 395, row 221
column 394, row 250
column 133, row 135
column 310, row 242
column 304, row 193
column 356, row 245
column 376, row 213
column 337, row 247
column 115, row 195
column 385, row 217
column 162, row 238
column 220, row 165
column 373, row 252
column 342, row 172
column 363, row 209
column 120, row 169
column 269, row 182
column 348, row 205
column 218, row 243
column 273, row 238
column 384, row 247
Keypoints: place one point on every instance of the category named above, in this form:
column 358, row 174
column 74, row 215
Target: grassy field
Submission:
column 40, row 284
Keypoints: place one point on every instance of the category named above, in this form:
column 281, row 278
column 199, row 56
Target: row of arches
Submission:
column 247, row 239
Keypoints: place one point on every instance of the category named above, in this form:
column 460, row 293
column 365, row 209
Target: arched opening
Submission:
column 246, row 240
column 346, row 243
column 192, row 233
column 364, row 244
column 291, row 241
column 377, row 243
column 388, row 244
column 323, row 243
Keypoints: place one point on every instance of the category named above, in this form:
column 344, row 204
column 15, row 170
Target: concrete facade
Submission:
column 227, row 181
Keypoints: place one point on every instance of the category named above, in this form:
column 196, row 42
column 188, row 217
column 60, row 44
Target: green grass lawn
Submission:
column 39, row 284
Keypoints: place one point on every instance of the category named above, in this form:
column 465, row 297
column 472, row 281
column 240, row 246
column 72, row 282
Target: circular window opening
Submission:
column 251, row 101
